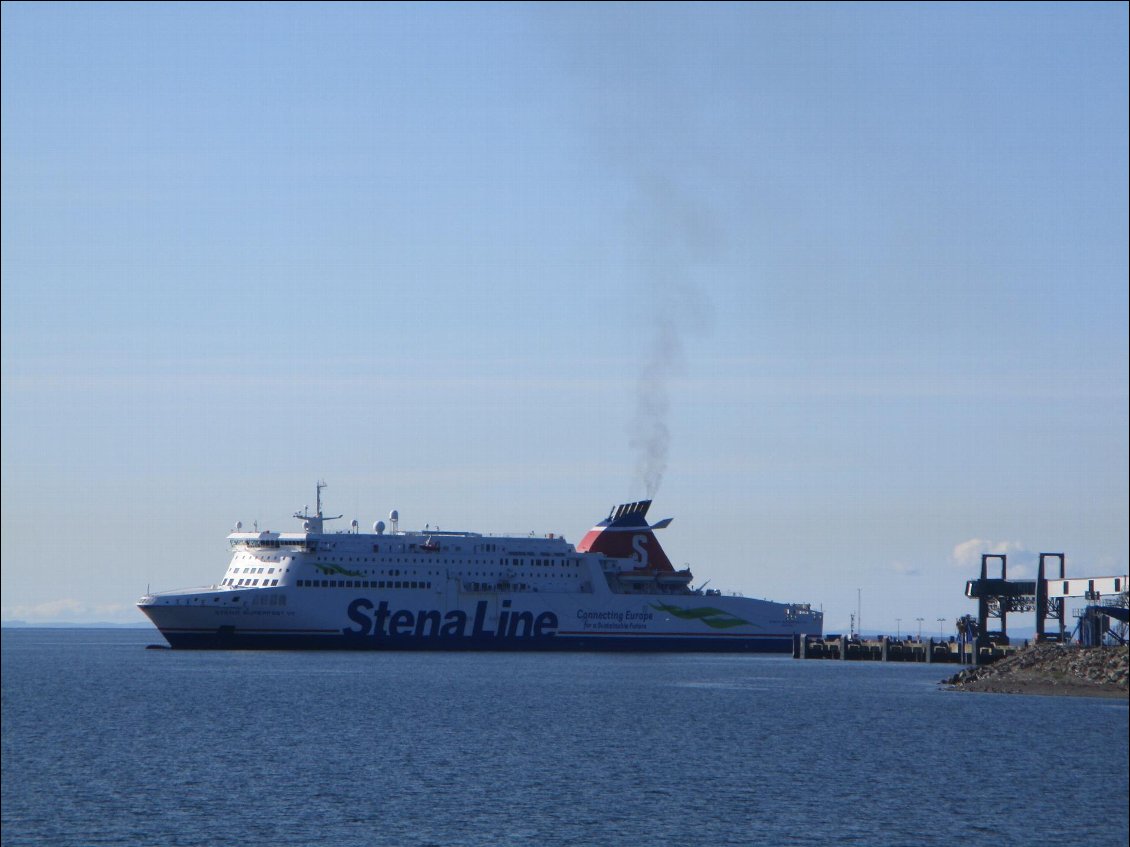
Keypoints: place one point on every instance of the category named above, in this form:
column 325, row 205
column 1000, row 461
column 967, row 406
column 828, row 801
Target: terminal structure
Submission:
column 1046, row 596
column 1108, row 599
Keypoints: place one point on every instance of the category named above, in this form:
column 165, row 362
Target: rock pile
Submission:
column 1052, row 669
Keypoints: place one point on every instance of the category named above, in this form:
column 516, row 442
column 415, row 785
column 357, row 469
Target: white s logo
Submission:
column 638, row 542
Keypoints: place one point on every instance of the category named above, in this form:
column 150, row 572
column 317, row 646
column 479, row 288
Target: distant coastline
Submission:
column 73, row 625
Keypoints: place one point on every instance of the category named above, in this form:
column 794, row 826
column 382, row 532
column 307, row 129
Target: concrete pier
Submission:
column 887, row 649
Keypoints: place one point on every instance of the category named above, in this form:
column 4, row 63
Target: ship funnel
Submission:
column 625, row 534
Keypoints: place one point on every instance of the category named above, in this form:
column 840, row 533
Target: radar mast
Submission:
column 314, row 523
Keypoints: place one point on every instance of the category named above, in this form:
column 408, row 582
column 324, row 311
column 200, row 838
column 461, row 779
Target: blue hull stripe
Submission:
column 336, row 640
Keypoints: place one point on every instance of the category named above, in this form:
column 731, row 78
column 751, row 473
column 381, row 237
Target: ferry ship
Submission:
column 440, row 590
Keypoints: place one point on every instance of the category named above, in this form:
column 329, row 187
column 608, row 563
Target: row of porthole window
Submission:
column 498, row 586
column 363, row 583
column 542, row 563
column 250, row 583
column 428, row 557
column 273, row 598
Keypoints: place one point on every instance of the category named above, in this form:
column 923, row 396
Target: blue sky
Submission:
column 865, row 266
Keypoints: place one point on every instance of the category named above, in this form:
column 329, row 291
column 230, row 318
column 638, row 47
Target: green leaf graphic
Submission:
column 714, row 618
column 328, row 569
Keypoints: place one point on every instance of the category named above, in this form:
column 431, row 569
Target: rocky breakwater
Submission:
column 1052, row 669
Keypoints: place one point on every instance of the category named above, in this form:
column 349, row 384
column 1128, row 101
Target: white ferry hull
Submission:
column 415, row 620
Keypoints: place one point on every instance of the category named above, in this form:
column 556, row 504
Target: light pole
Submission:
column 898, row 630
column 941, row 623
column 919, row 629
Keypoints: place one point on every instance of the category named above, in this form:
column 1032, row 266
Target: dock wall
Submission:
column 887, row 649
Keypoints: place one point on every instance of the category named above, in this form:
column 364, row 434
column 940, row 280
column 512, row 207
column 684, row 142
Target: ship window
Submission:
column 325, row 583
column 274, row 582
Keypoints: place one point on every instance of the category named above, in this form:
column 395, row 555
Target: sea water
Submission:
column 105, row 742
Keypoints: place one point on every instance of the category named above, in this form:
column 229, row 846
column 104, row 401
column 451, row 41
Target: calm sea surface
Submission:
column 105, row 742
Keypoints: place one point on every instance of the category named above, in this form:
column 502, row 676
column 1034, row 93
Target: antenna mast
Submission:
column 315, row 523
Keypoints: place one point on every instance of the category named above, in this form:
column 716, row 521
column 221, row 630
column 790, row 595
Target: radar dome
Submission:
column 238, row 526
column 379, row 527
column 394, row 515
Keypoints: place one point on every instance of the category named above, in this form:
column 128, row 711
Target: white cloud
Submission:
column 967, row 556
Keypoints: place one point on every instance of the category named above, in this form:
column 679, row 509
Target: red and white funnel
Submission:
column 625, row 534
